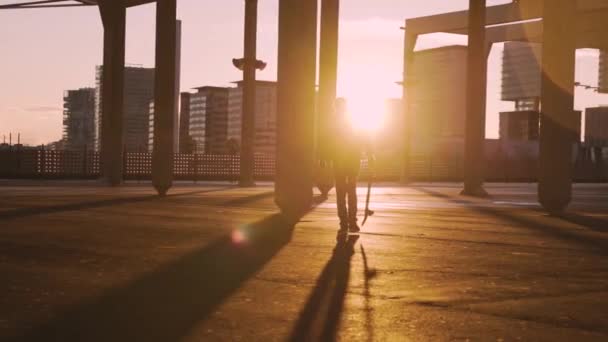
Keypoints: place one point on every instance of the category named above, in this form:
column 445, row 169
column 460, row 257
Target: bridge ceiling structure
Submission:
column 520, row 21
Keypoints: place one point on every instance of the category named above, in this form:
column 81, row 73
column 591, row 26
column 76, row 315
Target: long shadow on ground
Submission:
column 599, row 245
column 593, row 223
column 320, row 318
column 368, row 275
column 248, row 199
column 41, row 210
column 166, row 304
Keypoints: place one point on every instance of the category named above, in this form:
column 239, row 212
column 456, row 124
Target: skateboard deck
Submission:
column 368, row 211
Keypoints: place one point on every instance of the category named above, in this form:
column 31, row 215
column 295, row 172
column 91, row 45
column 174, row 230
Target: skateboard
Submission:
column 368, row 211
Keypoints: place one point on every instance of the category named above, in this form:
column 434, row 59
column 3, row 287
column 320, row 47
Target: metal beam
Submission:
column 44, row 4
column 80, row 3
column 128, row 3
column 164, row 96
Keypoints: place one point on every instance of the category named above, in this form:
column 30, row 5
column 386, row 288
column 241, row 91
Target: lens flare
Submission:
column 238, row 237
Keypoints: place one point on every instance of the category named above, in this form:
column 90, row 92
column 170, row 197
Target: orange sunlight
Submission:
column 366, row 88
column 366, row 111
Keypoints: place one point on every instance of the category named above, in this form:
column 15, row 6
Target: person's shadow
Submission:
column 320, row 318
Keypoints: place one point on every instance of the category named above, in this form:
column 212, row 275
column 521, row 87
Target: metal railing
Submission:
column 65, row 164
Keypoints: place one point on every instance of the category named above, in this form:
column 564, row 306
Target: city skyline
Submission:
column 371, row 51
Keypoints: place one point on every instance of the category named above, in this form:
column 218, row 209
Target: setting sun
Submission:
column 366, row 114
column 366, row 88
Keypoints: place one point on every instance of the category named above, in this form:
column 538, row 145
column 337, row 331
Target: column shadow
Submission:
column 589, row 222
column 320, row 318
column 599, row 245
column 41, row 210
column 167, row 303
column 368, row 275
column 248, row 199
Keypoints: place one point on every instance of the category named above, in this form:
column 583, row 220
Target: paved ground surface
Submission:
column 213, row 262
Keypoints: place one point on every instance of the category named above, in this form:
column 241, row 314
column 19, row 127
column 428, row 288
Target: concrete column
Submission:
column 476, row 103
column 328, row 78
column 249, row 94
column 296, row 106
column 178, row 72
column 113, row 15
column 164, row 96
column 558, row 123
column 408, row 121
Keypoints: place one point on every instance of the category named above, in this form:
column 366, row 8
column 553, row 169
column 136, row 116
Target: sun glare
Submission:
column 366, row 114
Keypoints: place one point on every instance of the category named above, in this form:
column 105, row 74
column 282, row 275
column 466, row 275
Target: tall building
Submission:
column 519, row 126
column 436, row 97
column 79, row 119
column 265, row 116
column 208, row 125
column 596, row 126
column 603, row 75
column 521, row 75
column 138, row 92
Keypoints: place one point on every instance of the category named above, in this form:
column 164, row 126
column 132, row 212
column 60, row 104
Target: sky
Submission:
column 44, row 52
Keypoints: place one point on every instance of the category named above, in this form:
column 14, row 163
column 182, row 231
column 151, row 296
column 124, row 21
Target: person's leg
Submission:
column 341, row 200
column 352, row 202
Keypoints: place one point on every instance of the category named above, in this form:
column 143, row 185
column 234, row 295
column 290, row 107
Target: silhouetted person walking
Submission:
column 348, row 147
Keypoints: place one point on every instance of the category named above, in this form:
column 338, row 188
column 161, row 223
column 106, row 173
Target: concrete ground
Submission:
column 213, row 262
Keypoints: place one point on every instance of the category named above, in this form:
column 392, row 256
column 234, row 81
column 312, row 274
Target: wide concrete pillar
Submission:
column 296, row 106
column 408, row 120
column 475, row 115
column 328, row 78
column 249, row 94
column 113, row 15
column 164, row 95
column 558, row 122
